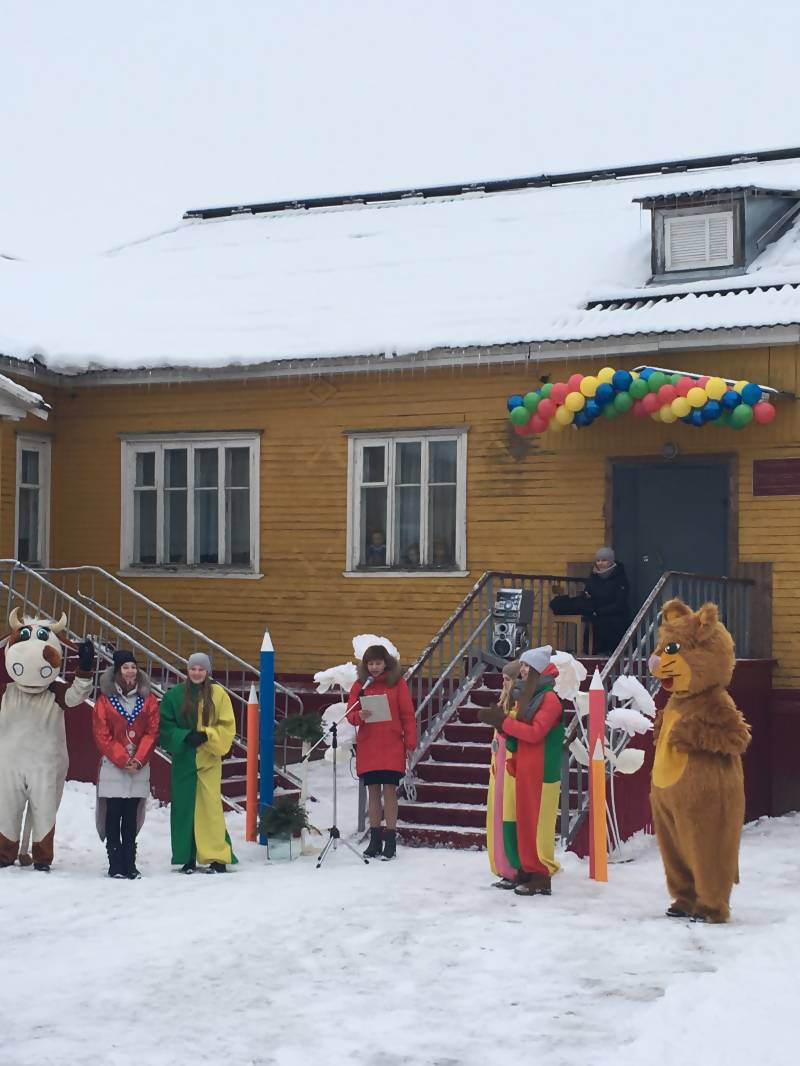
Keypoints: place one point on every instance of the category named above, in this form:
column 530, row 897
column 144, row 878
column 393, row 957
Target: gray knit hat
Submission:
column 199, row 658
column 605, row 553
column 537, row 658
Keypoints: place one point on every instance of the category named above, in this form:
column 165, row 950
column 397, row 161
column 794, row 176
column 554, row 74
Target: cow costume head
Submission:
column 33, row 652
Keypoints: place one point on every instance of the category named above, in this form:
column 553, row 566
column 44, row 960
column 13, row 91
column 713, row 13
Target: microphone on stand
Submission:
column 362, row 690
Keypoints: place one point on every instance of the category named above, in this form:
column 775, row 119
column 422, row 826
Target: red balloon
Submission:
column 703, row 381
column 558, row 393
column 539, row 424
column 666, row 394
column 523, row 430
column 546, row 408
column 574, row 383
column 764, row 413
column 683, row 386
column 651, row 403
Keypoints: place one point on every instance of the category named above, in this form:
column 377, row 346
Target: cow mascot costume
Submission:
column 33, row 743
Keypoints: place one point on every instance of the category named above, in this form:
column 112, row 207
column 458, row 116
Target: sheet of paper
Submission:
column 377, row 707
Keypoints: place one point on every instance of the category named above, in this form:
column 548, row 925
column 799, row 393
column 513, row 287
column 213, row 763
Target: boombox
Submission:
column 511, row 620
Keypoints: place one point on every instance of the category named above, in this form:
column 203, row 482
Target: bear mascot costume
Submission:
column 697, row 793
column 33, row 743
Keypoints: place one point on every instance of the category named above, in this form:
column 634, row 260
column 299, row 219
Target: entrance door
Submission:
column 670, row 516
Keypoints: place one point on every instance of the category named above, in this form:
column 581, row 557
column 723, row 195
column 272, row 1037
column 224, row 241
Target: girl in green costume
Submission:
column 197, row 729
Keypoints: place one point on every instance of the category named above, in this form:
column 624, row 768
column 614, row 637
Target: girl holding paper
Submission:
column 383, row 714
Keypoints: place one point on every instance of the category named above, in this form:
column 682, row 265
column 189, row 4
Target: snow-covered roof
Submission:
column 537, row 265
column 17, row 401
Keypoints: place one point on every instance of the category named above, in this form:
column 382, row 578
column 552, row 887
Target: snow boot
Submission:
column 375, row 846
column 116, row 865
column 189, row 867
column 217, row 868
column 43, row 867
column 130, row 870
column 674, row 911
column 536, row 885
column 389, row 845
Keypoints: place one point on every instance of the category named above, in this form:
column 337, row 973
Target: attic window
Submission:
column 698, row 241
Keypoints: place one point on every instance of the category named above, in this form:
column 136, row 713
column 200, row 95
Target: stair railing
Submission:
column 733, row 598
column 34, row 593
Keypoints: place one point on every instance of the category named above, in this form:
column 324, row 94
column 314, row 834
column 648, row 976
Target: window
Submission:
column 33, row 500
column 408, row 502
column 695, row 241
column 191, row 502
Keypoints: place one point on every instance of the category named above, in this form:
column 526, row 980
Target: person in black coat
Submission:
column 604, row 601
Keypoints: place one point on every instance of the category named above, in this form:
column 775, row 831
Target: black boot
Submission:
column 375, row 845
column 390, row 845
column 217, row 868
column 189, row 867
column 130, row 862
column 116, row 865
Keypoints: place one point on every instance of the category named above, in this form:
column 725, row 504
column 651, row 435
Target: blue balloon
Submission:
column 647, row 373
column 514, row 401
column 730, row 400
column 687, row 419
column 581, row 419
column 604, row 394
column 696, row 417
column 592, row 408
column 622, row 380
column 751, row 394
column 711, row 410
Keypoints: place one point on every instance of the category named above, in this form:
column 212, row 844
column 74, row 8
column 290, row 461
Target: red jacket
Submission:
column 111, row 731
column 383, row 745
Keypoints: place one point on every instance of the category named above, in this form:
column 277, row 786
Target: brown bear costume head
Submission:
column 694, row 651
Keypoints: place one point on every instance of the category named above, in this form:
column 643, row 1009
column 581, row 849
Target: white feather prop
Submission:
column 343, row 675
column 629, row 719
column 629, row 761
column 365, row 640
column 630, row 688
column 570, row 675
column 579, row 752
column 345, row 733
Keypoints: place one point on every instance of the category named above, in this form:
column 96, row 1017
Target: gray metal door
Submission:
column 670, row 516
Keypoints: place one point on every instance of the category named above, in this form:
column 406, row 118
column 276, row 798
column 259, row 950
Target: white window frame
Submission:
column 134, row 444
column 42, row 445
column 705, row 218
column 357, row 442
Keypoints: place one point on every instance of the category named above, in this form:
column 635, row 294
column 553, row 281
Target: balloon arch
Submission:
column 663, row 395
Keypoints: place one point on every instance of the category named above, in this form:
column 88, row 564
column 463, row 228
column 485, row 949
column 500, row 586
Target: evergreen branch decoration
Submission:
column 286, row 818
column 304, row 727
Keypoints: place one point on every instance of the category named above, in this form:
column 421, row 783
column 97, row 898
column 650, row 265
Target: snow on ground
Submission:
column 419, row 961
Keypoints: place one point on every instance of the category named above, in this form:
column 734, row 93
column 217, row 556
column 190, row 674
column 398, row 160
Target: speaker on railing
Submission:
column 509, row 639
column 511, row 620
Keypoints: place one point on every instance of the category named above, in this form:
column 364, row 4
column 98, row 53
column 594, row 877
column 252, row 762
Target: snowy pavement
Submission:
column 419, row 961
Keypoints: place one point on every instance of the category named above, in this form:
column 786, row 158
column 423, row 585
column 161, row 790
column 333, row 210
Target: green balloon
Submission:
column 531, row 401
column 675, row 378
column 638, row 388
column 546, row 389
column 610, row 411
column 655, row 381
column 741, row 415
column 623, row 401
column 520, row 415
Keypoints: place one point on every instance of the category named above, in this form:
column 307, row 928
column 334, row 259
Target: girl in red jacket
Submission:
column 382, row 746
column 125, row 724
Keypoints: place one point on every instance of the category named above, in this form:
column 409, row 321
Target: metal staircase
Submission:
column 114, row 614
column 445, row 789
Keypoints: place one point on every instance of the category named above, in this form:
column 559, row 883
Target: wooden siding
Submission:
column 532, row 504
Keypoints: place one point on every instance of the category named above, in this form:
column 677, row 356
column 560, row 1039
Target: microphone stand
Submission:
column 334, row 836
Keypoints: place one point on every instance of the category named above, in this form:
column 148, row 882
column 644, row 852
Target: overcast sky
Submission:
column 116, row 117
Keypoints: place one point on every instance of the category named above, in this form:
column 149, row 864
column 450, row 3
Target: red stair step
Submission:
column 443, row 772
column 441, row 836
column 453, row 814
column 467, row 733
column 450, row 792
column 442, row 751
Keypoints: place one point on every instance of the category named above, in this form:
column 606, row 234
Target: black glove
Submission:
column 86, row 655
column 195, row 738
column 492, row 716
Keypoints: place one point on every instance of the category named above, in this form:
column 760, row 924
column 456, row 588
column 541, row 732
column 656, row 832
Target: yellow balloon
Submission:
column 656, row 415
column 634, row 374
column 680, row 407
column 589, row 385
column 564, row 415
column 575, row 401
column 605, row 375
column 668, row 414
column 740, row 385
column 696, row 396
column 716, row 388
column 555, row 425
